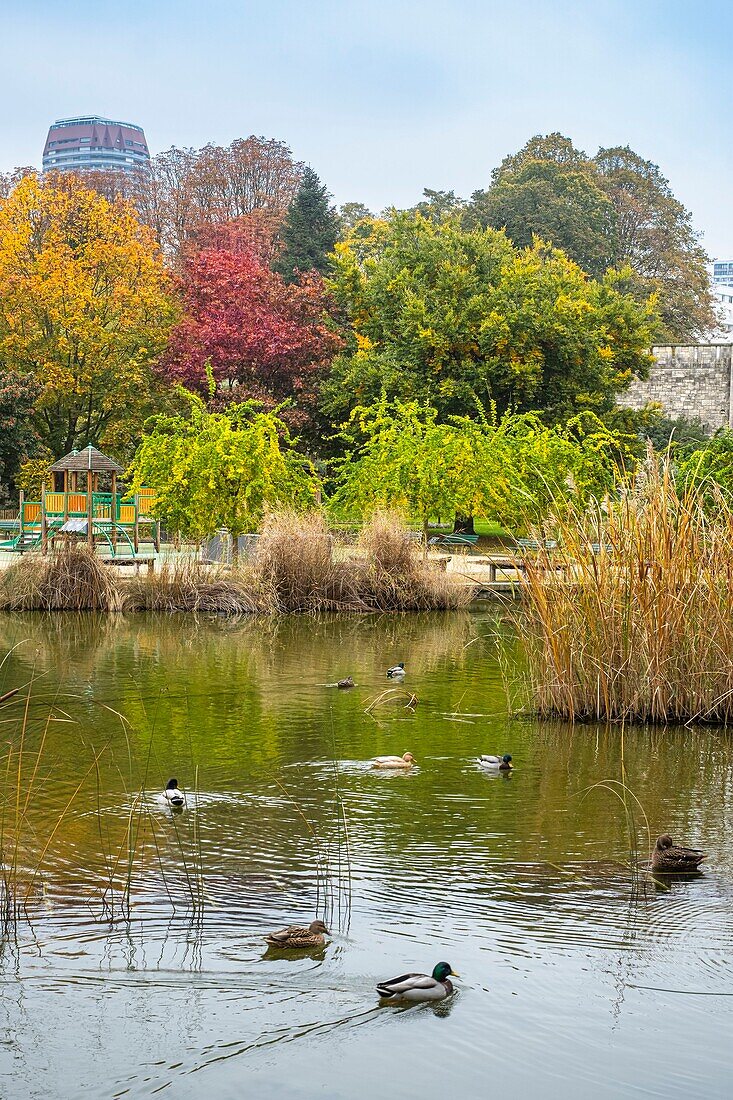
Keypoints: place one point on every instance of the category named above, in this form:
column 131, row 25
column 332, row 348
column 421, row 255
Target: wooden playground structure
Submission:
column 75, row 509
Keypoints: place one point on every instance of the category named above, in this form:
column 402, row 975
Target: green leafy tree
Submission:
column 653, row 235
column 18, row 437
column 548, row 468
column 437, row 205
column 549, row 190
column 309, row 232
column 612, row 210
column 401, row 457
column 711, row 462
column 680, row 433
column 516, row 470
column 350, row 214
column 220, row 469
column 445, row 315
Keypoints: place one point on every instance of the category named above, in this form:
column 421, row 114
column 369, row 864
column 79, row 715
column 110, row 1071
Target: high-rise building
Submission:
column 723, row 271
column 76, row 144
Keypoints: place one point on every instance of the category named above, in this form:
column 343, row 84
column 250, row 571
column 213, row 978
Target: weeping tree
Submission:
column 221, row 469
column 400, row 457
column 516, row 469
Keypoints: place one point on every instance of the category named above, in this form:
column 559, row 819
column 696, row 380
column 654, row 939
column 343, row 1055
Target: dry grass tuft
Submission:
column 296, row 569
column 392, row 575
column 639, row 625
column 294, row 562
column 69, row 579
column 191, row 586
column 385, row 544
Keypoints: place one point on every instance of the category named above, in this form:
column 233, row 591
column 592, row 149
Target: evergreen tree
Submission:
column 310, row 230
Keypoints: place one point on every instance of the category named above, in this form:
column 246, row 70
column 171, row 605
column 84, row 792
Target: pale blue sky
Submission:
column 383, row 98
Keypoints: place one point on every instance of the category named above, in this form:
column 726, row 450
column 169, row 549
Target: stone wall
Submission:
column 688, row 381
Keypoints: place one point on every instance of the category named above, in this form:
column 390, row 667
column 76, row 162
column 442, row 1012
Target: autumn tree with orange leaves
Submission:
column 85, row 310
column 185, row 193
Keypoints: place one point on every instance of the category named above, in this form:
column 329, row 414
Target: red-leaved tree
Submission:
column 264, row 339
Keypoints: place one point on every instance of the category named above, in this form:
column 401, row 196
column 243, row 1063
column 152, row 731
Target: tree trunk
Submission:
column 463, row 525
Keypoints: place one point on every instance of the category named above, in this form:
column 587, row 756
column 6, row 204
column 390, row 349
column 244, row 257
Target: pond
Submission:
column 142, row 966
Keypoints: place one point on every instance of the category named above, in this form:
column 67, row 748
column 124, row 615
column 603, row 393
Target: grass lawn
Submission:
column 485, row 528
column 488, row 528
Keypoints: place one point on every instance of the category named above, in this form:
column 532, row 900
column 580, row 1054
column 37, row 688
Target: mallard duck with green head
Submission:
column 496, row 763
column 419, row 987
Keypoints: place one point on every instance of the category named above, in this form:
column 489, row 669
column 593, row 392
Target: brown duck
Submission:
column 669, row 858
column 299, row 935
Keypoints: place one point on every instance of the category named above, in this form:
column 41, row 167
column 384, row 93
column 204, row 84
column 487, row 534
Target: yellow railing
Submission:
column 146, row 502
column 75, row 504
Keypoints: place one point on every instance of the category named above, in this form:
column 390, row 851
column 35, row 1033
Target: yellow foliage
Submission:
column 85, row 305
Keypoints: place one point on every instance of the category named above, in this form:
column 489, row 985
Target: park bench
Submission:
column 533, row 545
column 147, row 561
column 454, row 540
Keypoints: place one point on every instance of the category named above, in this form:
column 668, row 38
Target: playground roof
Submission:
column 88, row 459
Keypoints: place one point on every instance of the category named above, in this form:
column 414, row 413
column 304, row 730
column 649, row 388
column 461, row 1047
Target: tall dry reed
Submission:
column 297, row 567
column 69, row 579
column 189, row 585
column 630, row 618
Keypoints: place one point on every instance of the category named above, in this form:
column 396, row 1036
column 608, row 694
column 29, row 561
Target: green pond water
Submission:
column 577, row 978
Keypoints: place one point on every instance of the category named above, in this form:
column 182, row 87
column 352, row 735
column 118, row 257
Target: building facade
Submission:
column 723, row 271
column 92, row 142
column 723, row 297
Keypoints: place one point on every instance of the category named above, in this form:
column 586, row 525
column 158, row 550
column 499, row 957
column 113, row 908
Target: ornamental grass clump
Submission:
column 294, row 563
column 295, row 569
column 393, row 576
column 191, row 585
column 630, row 618
column 69, row 579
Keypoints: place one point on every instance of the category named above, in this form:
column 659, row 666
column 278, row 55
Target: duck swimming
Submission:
column 670, row 858
column 396, row 671
column 497, row 763
column 172, row 794
column 347, row 682
column 419, row 987
column 405, row 761
column 299, row 935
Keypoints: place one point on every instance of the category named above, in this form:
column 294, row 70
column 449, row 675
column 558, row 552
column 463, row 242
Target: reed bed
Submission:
column 190, row 585
column 630, row 618
column 69, row 579
column 298, row 571
column 294, row 569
